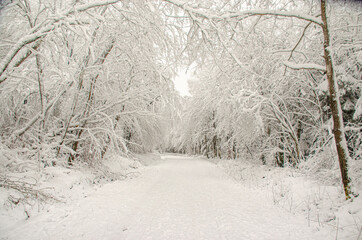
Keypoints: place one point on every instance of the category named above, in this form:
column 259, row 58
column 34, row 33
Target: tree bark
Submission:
column 338, row 125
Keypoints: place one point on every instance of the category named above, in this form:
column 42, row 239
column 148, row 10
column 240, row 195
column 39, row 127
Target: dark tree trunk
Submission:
column 338, row 125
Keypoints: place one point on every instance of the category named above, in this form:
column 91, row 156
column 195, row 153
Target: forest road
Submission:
column 179, row 198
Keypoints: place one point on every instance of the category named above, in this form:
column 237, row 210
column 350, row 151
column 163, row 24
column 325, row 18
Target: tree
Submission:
column 212, row 22
column 338, row 125
column 97, row 68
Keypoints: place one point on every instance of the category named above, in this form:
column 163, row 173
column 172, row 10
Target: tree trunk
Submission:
column 338, row 126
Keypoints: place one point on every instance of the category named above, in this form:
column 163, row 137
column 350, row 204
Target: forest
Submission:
column 274, row 82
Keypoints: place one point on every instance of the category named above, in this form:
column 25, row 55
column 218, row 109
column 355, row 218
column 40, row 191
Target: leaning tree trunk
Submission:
column 338, row 126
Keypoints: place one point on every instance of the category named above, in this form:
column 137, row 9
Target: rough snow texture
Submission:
column 61, row 185
column 179, row 198
column 299, row 194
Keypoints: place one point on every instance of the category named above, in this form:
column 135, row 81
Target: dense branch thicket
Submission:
column 83, row 79
column 80, row 80
column 267, row 91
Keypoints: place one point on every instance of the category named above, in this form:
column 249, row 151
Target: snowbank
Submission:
column 294, row 191
column 28, row 189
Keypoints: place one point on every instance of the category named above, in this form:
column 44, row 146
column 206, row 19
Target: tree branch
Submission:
column 211, row 15
column 307, row 66
column 40, row 31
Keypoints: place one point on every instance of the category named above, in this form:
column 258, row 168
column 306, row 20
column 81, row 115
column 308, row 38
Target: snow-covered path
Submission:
column 180, row 198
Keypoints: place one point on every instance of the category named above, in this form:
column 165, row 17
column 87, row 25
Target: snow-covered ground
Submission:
column 175, row 197
column 309, row 196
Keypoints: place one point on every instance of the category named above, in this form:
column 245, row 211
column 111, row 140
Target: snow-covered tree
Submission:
column 82, row 79
column 291, row 105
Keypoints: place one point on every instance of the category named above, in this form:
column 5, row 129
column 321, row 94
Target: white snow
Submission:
column 178, row 198
column 306, row 192
column 307, row 66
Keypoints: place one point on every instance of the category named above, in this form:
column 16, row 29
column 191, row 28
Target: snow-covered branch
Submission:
column 76, row 9
column 263, row 12
column 307, row 66
column 42, row 30
column 18, row 46
column 21, row 131
column 242, row 14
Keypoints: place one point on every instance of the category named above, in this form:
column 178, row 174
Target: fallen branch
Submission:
column 28, row 190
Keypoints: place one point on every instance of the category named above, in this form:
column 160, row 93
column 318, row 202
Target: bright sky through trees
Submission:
column 181, row 82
